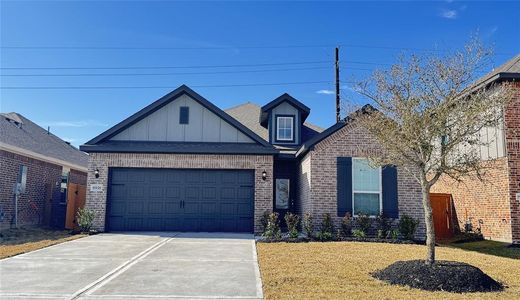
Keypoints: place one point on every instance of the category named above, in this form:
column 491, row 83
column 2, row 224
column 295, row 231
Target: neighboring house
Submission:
column 493, row 206
column 184, row 164
column 47, row 161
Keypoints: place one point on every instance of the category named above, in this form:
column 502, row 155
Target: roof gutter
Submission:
column 38, row 156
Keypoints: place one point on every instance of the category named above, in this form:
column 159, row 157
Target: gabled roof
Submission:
column 332, row 129
column 182, row 90
column 508, row 71
column 283, row 98
column 18, row 132
column 249, row 114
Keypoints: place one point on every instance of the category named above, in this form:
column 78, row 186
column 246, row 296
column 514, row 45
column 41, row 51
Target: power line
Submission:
column 347, row 45
column 167, row 67
column 154, row 87
column 167, row 74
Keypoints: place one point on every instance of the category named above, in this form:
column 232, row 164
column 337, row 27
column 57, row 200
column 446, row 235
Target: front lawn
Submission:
column 489, row 247
column 342, row 270
column 18, row 241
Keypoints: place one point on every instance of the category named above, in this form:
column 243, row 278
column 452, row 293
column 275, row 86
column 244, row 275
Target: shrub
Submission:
column 407, row 227
column 327, row 228
column 85, row 217
column 292, row 221
column 272, row 229
column 264, row 220
column 358, row 233
column 383, row 226
column 346, row 225
column 394, row 234
column 364, row 222
column 308, row 225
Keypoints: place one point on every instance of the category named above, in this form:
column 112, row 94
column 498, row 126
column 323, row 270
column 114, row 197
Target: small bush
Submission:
column 394, row 234
column 308, row 225
column 327, row 228
column 407, row 227
column 383, row 226
column 272, row 230
column 358, row 233
column 292, row 221
column 324, row 236
column 364, row 222
column 264, row 220
column 346, row 225
column 85, row 218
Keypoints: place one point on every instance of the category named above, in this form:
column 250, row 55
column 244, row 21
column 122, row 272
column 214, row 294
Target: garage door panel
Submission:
column 156, row 207
column 173, row 192
column 135, row 192
column 229, row 178
column 135, row 207
column 172, row 207
column 227, row 193
column 181, row 200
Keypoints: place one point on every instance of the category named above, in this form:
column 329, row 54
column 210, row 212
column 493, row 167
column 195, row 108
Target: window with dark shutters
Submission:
column 344, row 185
column 390, row 195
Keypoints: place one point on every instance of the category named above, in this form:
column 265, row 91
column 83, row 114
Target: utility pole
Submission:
column 337, row 86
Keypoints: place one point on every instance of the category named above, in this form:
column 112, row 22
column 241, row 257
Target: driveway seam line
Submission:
column 118, row 270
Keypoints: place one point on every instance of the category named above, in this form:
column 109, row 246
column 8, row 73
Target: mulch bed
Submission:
column 342, row 239
column 447, row 276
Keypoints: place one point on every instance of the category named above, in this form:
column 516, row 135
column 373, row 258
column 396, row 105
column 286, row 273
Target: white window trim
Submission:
column 380, row 193
column 278, row 126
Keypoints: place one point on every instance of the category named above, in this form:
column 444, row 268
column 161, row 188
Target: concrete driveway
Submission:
column 137, row 266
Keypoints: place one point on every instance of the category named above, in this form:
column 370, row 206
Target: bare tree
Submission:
column 428, row 118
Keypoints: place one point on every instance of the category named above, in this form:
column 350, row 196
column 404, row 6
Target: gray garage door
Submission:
column 180, row 200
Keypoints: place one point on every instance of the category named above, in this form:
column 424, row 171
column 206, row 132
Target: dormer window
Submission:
column 285, row 128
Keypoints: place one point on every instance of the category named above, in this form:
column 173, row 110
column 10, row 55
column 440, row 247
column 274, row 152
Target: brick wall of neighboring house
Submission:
column 485, row 204
column 78, row 177
column 102, row 161
column 512, row 125
column 350, row 141
column 39, row 173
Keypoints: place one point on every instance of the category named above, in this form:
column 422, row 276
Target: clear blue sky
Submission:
column 186, row 34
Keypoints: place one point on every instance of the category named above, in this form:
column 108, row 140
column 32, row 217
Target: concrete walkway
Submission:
column 137, row 266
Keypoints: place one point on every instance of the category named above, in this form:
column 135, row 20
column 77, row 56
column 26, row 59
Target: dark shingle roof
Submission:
column 31, row 137
column 249, row 115
column 510, row 69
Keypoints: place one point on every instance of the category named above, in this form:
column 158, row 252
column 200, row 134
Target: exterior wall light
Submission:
column 96, row 173
column 264, row 175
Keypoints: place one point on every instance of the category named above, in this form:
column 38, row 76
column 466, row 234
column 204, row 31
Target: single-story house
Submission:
column 492, row 206
column 184, row 164
column 45, row 163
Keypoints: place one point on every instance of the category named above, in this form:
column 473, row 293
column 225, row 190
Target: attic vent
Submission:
column 13, row 118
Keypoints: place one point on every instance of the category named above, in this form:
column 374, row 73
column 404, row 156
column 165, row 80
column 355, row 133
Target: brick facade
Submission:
column 103, row 161
column 40, row 176
column 484, row 204
column 512, row 126
column 317, row 176
column 491, row 204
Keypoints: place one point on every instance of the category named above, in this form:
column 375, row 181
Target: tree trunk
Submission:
column 428, row 218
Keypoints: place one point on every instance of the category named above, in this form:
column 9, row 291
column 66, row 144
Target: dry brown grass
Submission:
column 18, row 241
column 342, row 270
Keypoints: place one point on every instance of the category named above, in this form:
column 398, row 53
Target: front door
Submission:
column 282, row 196
column 284, row 189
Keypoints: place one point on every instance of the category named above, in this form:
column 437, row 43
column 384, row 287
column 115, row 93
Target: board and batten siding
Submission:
column 285, row 108
column 163, row 125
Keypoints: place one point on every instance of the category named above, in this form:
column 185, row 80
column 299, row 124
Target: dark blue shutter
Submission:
column 344, row 185
column 184, row 115
column 390, row 202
